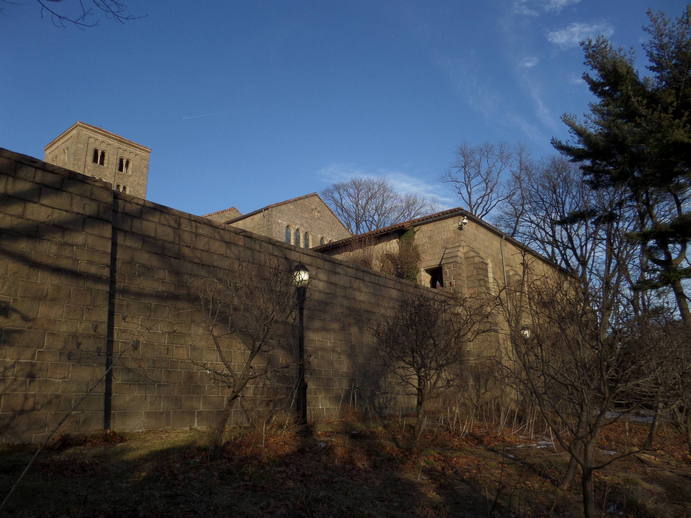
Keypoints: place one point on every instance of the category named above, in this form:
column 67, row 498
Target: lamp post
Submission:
column 301, row 278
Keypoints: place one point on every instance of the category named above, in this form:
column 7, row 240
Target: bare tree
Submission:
column 82, row 13
column 584, row 231
column 246, row 310
column 424, row 345
column 578, row 364
column 365, row 204
column 479, row 175
column 673, row 388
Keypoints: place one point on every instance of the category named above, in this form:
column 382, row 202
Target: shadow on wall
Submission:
column 89, row 276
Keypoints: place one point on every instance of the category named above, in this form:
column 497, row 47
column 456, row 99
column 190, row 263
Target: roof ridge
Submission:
column 96, row 128
column 271, row 206
column 222, row 210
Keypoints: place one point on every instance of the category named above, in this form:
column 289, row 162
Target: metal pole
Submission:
column 301, row 405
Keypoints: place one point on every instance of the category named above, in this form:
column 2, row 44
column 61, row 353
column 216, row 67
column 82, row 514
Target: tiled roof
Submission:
column 429, row 218
column 393, row 228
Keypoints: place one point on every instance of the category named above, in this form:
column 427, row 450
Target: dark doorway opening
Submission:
column 436, row 277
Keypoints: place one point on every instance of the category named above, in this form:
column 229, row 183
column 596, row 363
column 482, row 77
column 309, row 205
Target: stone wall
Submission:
column 90, row 276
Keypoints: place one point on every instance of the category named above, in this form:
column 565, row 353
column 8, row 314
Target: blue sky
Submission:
column 249, row 103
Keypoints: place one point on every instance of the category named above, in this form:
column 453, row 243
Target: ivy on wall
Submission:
column 406, row 263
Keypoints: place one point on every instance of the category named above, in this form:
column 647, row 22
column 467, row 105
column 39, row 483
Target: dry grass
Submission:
column 344, row 468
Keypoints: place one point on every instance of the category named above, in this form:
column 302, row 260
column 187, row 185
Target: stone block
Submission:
column 23, row 425
column 100, row 243
column 51, row 310
column 19, row 187
column 14, row 207
column 130, row 402
column 208, row 418
column 155, row 420
column 183, row 419
column 213, row 402
column 128, row 421
column 31, row 289
column 98, row 270
column 85, row 373
column 20, row 338
column 56, row 198
column 57, row 371
column 69, row 422
column 74, row 239
column 90, row 421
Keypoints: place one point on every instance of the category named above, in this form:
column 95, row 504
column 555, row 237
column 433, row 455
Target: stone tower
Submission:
column 104, row 155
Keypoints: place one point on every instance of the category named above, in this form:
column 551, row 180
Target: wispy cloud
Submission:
column 528, row 62
column 574, row 33
column 537, row 7
column 464, row 74
column 528, row 129
column 402, row 182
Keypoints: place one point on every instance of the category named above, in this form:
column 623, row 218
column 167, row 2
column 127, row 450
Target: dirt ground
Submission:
column 341, row 469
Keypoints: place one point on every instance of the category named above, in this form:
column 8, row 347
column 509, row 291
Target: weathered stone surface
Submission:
column 65, row 292
column 100, row 154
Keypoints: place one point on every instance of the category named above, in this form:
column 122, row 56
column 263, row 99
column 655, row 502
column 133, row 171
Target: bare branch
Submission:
column 365, row 204
column 478, row 176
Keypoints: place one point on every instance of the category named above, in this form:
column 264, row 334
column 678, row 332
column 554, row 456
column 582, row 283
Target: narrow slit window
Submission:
column 127, row 166
column 306, row 243
column 94, row 158
column 102, row 158
column 297, row 237
column 288, row 234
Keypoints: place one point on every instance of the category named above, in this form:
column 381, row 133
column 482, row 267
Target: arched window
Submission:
column 306, row 243
column 297, row 237
column 322, row 240
column 288, row 234
column 102, row 158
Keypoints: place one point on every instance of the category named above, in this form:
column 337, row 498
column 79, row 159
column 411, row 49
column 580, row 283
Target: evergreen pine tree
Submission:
column 637, row 138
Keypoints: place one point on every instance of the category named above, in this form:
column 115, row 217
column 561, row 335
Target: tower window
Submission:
column 288, row 234
column 297, row 237
column 306, row 243
column 102, row 158
column 94, row 158
column 124, row 165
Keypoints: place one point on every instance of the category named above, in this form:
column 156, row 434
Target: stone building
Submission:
column 101, row 154
column 457, row 251
column 97, row 321
column 305, row 221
